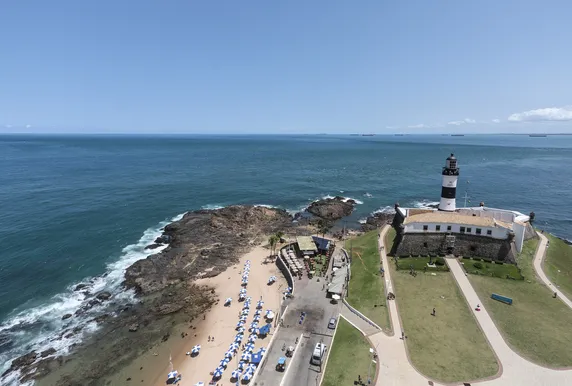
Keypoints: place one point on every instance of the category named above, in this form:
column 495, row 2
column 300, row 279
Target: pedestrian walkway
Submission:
column 538, row 258
column 516, row 370
column 394, row 368
column 362, row 325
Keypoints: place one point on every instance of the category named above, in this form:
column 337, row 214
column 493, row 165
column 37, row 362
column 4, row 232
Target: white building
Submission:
column 480, row 221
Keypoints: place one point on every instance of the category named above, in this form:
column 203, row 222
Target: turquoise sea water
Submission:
column 75, row 208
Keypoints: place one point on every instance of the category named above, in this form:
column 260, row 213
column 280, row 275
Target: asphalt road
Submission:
column 311, row 299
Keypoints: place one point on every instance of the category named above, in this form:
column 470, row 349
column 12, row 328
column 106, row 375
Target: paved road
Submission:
column 311, row 299
column 357, row 322
column 538, row 259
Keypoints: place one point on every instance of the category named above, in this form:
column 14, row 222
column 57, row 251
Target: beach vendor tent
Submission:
column 306, row 245
column 256, row 358
column 338, row 281
column 338, row 260
column 265, row 330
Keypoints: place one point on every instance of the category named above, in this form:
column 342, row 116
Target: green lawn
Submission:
column 420, row 263
column 366, row 288
column 535, row 325
column 558, row 264
column 449, row 347
column 349, row 357
column 478, row 267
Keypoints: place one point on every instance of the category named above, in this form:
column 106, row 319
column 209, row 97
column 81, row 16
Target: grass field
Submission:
column 366, row 288
column 448, row 347
column 478, row 267
column 349, row 357
column 535, row 325
column 419, row 264
column 558, row 264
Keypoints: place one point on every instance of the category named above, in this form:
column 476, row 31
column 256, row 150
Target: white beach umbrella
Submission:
column 256, row 318
column 249, row 347
column 251, row 368
column 259, row 304
column 228, row 300
column 233, row 346
column 247, row 376
column 252, row 338
column 236, row 374
column 200, row 384
column 262, row 351
column 241, row 365
column 196, row 349
column 218, row 372
column 245, row 357
column 229, row 354
column 257, row 312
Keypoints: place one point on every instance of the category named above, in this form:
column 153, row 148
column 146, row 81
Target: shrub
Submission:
column 487, row 260
column 440, row 261
column 478, row 265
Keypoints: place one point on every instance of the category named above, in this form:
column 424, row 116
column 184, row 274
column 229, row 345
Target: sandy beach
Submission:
column 152, row 367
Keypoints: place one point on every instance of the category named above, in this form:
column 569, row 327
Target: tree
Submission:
column 280, row 235
column 323, row 227
column 272, row 241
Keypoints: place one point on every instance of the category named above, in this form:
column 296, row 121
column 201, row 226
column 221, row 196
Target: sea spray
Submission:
column 42, row 327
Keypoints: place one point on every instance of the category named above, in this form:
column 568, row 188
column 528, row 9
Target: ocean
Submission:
column 80, row 209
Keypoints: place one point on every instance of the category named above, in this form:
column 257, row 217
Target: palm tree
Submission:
column 272, row 240
column 280, row 235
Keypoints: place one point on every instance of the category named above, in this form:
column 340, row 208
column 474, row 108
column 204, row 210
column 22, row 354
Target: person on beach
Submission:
column 433, row 313
column 209, row 339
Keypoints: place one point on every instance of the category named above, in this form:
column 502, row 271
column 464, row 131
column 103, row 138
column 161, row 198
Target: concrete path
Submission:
column 516, row 370
column 540, row 254
column 365, row 328
column 394, row 368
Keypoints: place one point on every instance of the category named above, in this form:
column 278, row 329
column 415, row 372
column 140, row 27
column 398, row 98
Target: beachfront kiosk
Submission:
column 306, row 246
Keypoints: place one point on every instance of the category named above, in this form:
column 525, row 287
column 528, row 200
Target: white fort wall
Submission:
column 496, row 232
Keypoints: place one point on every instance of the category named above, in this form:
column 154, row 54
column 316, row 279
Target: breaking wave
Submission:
column 42, row 327
column 345, row 199
column 425, row 204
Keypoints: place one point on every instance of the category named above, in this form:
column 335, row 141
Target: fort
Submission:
column 489, row 233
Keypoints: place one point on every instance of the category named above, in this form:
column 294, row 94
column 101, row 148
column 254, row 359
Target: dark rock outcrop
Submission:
column 332, row 209
column 47, row 352
column 80, row 286
column 22, row 362
column 377, row 220
column 104, row 295
column 225, row 233
column 66, row 316
column 153, row 246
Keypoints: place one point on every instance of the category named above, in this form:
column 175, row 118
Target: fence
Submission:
column 360, row 315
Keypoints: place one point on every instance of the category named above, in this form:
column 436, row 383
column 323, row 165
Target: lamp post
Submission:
column 371, row 351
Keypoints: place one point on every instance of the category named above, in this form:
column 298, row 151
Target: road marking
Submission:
column 296, row 349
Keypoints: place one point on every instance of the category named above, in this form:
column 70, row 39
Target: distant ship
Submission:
column 457, row 135
column 398, row 135
column 537, row 135
column 367, row 135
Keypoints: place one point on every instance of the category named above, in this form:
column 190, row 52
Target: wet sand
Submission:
column 220, row 322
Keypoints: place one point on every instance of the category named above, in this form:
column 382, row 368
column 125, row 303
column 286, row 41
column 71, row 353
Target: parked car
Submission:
column 332, row 323
column 318, row 354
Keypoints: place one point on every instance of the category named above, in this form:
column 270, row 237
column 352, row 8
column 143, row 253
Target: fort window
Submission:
column 448, row 227
column 473, row 248
column 469, row 230
column 462, row 229
column 425, row 227
column 478, row 231
column 437, row 228
column 425, row 245
column 489, row 232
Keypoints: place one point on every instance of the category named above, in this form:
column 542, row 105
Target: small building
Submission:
column 322, row 244
column 306, row 246
column 339, row 280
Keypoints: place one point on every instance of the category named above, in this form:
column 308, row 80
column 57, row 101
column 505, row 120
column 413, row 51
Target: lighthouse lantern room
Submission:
column 449, row 185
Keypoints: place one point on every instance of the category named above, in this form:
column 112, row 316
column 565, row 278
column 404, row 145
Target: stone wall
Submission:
column 424, row 244
column 285, row 271
column 529, row 232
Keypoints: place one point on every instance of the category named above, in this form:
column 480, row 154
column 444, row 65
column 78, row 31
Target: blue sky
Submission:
column 285, row 66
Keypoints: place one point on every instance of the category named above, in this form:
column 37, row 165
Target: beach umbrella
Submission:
column 236, row 374
column 228, row 354
column 228, row 300
column 256, row 318
column 200, row 384
column 251, row 368
column 247, row 377
column 240, row 329
column 172, row 377
column 262, row 351
column 239, row 324
column 254, row 325
column 259, row 304
column 252, row 339
column 241, row 365
column 233, row 346
column 218, row 372
column 196, row 349
column 249, row 347
column 257, row 312
column 245, row 357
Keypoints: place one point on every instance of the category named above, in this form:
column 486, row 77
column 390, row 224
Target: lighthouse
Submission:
column 449, row 185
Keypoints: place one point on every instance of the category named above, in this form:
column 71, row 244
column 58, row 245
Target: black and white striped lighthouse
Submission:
column 449, row 185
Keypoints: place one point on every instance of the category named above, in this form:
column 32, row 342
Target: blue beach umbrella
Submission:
column 247, row 376
column 218, row 372
column 236, row 374
column 245, row 357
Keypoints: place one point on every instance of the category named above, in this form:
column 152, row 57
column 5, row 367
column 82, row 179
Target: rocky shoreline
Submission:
column 201, row 244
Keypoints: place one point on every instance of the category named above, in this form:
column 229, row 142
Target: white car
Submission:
column 318, row 354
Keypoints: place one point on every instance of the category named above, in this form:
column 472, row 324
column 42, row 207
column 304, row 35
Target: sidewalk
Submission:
column 365, row 328
column 540, row 255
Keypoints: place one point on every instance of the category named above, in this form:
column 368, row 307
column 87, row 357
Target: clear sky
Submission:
column 285, row 66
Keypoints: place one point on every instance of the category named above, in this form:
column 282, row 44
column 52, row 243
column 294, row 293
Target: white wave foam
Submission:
column 362, row 220
column 344, row 199
column 212, row 207
column 425, row 204
column 368, row 195
column 384, row 209
column 22, row 326
column 267, row 206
